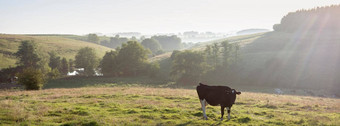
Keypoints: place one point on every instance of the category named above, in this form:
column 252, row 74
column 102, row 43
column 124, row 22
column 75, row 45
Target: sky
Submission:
column 145, row 16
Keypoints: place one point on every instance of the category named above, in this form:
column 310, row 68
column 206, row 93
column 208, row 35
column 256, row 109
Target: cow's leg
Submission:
column 203, row 108
column 222, row 112
column 228, row 108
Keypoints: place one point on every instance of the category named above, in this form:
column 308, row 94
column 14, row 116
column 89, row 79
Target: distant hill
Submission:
column 251, row 31
column 296, row 55
column 65, row 47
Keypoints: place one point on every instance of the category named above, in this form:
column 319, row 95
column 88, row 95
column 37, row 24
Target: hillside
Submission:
column 251, row 31
column 124, row 105
column 284, row 60
column 64, row 47
column 296, row 56
column 242, row 40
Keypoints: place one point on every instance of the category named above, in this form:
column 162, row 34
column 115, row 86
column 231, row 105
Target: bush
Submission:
column 54, row 74
column 31, row 78
column 152, row 69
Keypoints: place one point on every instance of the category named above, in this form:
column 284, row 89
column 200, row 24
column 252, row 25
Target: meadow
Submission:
column 64, row 47
column 126, row 102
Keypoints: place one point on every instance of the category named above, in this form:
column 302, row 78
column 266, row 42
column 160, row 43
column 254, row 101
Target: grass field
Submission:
column 65, row 47
column 129, row 104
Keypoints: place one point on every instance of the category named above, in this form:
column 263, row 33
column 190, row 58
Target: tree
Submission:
column 132, row 58
column 169, row 43
column 86, row 58
column 174, row 53
column 237, row 48
column 28, row 55
column 153, row 69
column 215, row 54
column 31, row 78
column 188, row 66
column 109, row 64
column 55, row 62
column 152, row 44
column 226, row 52
column 93, row 38
column 53, row 74
column 64, row 66
column 71, row 65
column 133, row 38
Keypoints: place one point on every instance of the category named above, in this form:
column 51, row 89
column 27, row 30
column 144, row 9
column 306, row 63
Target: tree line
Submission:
column 317, row 20
column 156, row 44
column 214, row 64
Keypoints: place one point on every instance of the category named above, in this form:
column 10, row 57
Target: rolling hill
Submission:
column 64, row 47
column 282, row 59
column 251, row 31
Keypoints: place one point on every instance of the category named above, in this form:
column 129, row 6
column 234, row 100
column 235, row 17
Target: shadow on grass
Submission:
column 78, row 81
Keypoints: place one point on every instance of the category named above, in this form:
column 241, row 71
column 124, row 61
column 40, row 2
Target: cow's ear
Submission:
column 238, row 93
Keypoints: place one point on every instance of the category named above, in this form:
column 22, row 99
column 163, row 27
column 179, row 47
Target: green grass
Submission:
column 128, row 104
column 64, row 47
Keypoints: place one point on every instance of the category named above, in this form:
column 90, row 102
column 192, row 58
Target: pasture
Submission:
column 65, row 47
column 134, row 104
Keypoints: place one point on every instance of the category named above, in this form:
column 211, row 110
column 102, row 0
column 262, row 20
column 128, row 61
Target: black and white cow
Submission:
column 216, row 95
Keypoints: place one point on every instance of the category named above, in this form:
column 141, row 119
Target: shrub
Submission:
column 54, row 74
column 31, row 78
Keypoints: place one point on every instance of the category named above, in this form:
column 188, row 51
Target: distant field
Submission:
column 242, row 40
column 135, row 105
column 65, row 47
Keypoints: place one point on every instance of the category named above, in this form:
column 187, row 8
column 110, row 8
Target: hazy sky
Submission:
column 146, row 16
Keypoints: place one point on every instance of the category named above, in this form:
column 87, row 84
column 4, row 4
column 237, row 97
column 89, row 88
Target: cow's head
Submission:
column 233, row 92
column 232, row 95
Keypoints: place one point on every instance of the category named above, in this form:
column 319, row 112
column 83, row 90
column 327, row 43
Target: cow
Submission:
column 216, row 95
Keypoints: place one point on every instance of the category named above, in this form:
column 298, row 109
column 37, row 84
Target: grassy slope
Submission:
column 123, row 105
column 63, row 46
column 242, row 40
column 295, row 59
